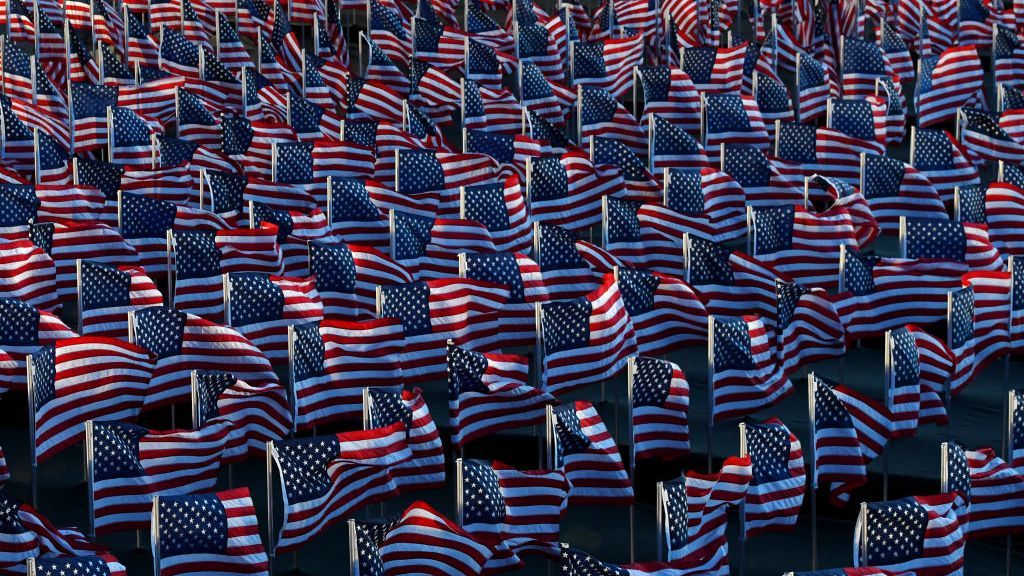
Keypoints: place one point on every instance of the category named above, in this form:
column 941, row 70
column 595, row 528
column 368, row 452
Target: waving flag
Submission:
column 25, row 330
column 607, row 64
column 670, row 147
column 992, row 491
column 746, row 377
column 704, row 202
column 110, row 293
column 1004, row 203
column 567, row 190
column 132, row 464
column 31, row 535
column 670, row 94
column 602, row 114
column 986, row 139
column 862, row 64
column 730, row 282
column 257, row 414
column 732, row 119
column 931, row 540
column 808, row 325
column 587, row 454
column 1007, row 56
column 101, row 565
column 28, row 274
column 666, row 313
column 795, row 241
column 943, row 161
column 812, row 88
column 145, row 221
column 81, row 379
column 895, row 51
column 714, row 69
column 389, row 405
column 955, row 241
column 423, row 533
column 777, row 481
column 895, row 189
column 640, row 184
column 261, row 307
column 659, row 413
column 947, row 82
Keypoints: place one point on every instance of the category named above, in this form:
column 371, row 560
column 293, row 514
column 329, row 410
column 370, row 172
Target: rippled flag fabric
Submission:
column 959, row 242
column 665, row 311
column 328, row 478
column 429, row 247
column 628, row 237
column 82, row 379
column 261, row 307
column 522, row 276
column 850, row 430
column 704, row 202
column 777, row 481
column 670, row 94
column 808, row 326
column 995, row 491
column 893, row 189
column 511, row 152
column 564, row 263
column 295, row 229
column 203, row 533
column 812, row 89
column 100, row 565
column 589, row 456
column 567, row 190
column 109, row 294
column 746, row 377
column 1007, row 56
column 607, row 64
column 26, row 328
column 145, row 222
column 603, row 115
column 916, row 533
column 729, row 281
column 714, row 69
column 489, row 393
column 671, row 147
column 257, row 414
column 659, row 414
column 347, row 275
column 947, row 82
column 29, row 534
column 423, row 533
column 131, row 464
column 422, row 171
column 520, row 511
column 29, row 275
column 863, row 63
column 390, row 405
column 824, row 151
column 732, row 119
column 992, row 307
column 943, row 160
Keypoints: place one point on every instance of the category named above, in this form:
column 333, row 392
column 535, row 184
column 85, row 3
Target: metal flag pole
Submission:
column 812, row 392
column 171, row 284
column 1010, row 264
column 711, row 387
column 903, row 237
column 549, row 437
column 154, row 535
column 460, row 504
column 1011, row 409
column 78, row 279
column 861, row 537
column 353, row 548
column 742, row 511
column 30, row 391
column 947, row 390
column 270, row 499
column 889, row 377
column 292, row 396
column 659, row 521
column 30, row 566
column 630, row 378
column 90, row 478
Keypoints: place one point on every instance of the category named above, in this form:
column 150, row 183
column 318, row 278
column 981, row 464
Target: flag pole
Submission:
column 270, row 499
column 460, row 504
column 711, row 385
column 90, row 478
column 890, row 381
column 291, row 381
column 154, row 535
column 549, row 436
column 30, row 391
column 812, row 392
column 353, row 548
column 659, row 515
column 630, row 378
column 1011, row 405
column 861, row 536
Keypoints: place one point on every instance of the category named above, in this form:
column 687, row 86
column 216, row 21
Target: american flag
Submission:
column 659, row 412
column 800, row 243
column 903, row 390
column 916, row 533
column 896, row 52
column 81, row 379
column 67, row 241
column 589, row 457
column 502, row 209
column 513, row 511
column 601, row 114
column 566, row 190
column 1015, row 416
column 639, row 184
column 713, row 69
column 695, row 513
column 585, row 339
column 1011, row 111
column 201, row 533
column 168, row 183
column 955, row 241
column 522, row 277
column 858, row 119
column 824, row 151
column 389, row 405
column 423, row 532
column 256, row 413
column 195, row 122
column 295, row 229
column 327, row 478
column 985, row 139
column 429, row 247
column 767, row 181
column 25, row 329
column 773, row 100
column 893, row 189
column 704, row 202
column 28, row 275
column 353, row 214
column 993, row 303
column 876, row 292
column 730, row 282
column 977, row 18
column 437, row 44
column 665, row 311
column 812, row 88
column 109, row 293
column 485, row 65
column 488, row 393
column 347, row 276
column 947, row 82
column 261, row 307
column 252, row 143
column 494, row 111
column 434, row 311
column 101, row 565
column 29, row 534
column 992, row 491
column 850, row 430
column 732, row 119
column 390, row 31
column 142, row 48
column 943, row 160
column 808, row 326
column 511, row 152
column 777, row 481
column 89, row 105
column 862, row 63
column 131, row 464
column 422, row 171
column 550, row 100
column 367, row 353
column 230, row 50
column 670, row 146
column 1007, row 56
column 745, row 376
column 607, row 64
column 962, row 338
column 183, row 342
column 1003, row 205
column 564, row 266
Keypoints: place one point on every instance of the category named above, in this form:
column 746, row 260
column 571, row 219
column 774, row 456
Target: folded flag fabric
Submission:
column 991, row 492
column 729, row 281
column 589, row 457
column 489, row 393
column 110, row 293
column 203, row 533
column 522, row 276
column 389, row 405
column 808, row 326
column 745, row 375
column 705, row 202
column 893, row 189
column 25, row 329
column 257, row 414
column 424, row 539
column 347, row 276
column 32, row 535
column 934, row 541
column 659, row 413
column 665, row 311
column 943, row 160
column 261, row 307
column 131, row 464
column 102, row 565
column 777, row 481
column 947, row 81
column 28, row 274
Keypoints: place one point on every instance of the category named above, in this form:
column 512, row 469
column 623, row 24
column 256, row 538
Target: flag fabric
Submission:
column 347, row 276
column 729, row 281
column 955, row 241
column 850, row 430
column 808, row 326
column 732, row 119
column 943, row 160
column 257, row 414
column 145, row 221
column 670, row 94
column 1016, row 436
column 608, row 64
column 388, row 405
column 261, row 307
column 422, row 536
column 665, row 311
column 327, row 478
column 602, row 114
column 983, row 136
column 863, row 63
column 110, row 293
column 489, row 393
column 812, row 89
column 992, row 490
column 32, row 535
column 671, row 147
column 132, row 464
column 585, row 339
column 524, row 280
column 26, row 329
column 28, row 274
column 930, row 537
column 564, row 265
column 101, row 565
column 704, row 202
column 778, row 480
column 713, row 69
column 589, row 457
column 1003, row 204
column 746, row 376
column 800, row 243
column 1007, row 56
column 659, row 420
column 520, row 510
column 566, row 190
column 893, row 189
column 947, row 82
column 81, row 379
column 824, row 151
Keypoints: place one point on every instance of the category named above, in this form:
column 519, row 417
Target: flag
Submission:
column 859, row 120
column 601, row 114
column 1016, row 433
column 28, row 274
column 777, row 481
column 1011, row 112
column 1004, row 204
column 25, row 330
column 808, row 326
column 80, row 379
column 896, row 52
column 773, row 100
column 422, row 171
column 490, row 110
column 824, row 151
column 109, row 293
column 916, row 533
column 257, row 414
column 346, row 277
column 947, row 82
column 863, row 63
column 976, row 19
column 671, row 147
column 992, row 490
column 31, row 535
column 101, row 565
column 429, row 247
column 982, row 135
column 713, row 69
column 566, row 190
column 327, row 478
column 893, row 189
column 513, row 511
column 589, row 457
column 850, row 430
column 550, row 100
column 732, row 119
column 812, row 88
column 746, row 377
column 390, row 31
column 665, row 311
column 563, row 263
column 1007, row 56
column 670, row 94
column 659, row 417
column 391, row 404
column 704, row 202
column 89, row 105
column 487, row 66
column 695, row 510
column 585, row 339
column 424, row 537
column 261, row 307
column 608, row 64
column 522, row 277
column 434, row 311
column 944, row 161
column 730, row 282
column 295, row 229
column 488, row 393
column 131, row 464
column 993, row 302
column 354, row 216
column 639, row 183
column 955, row 241
column 511, row 152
